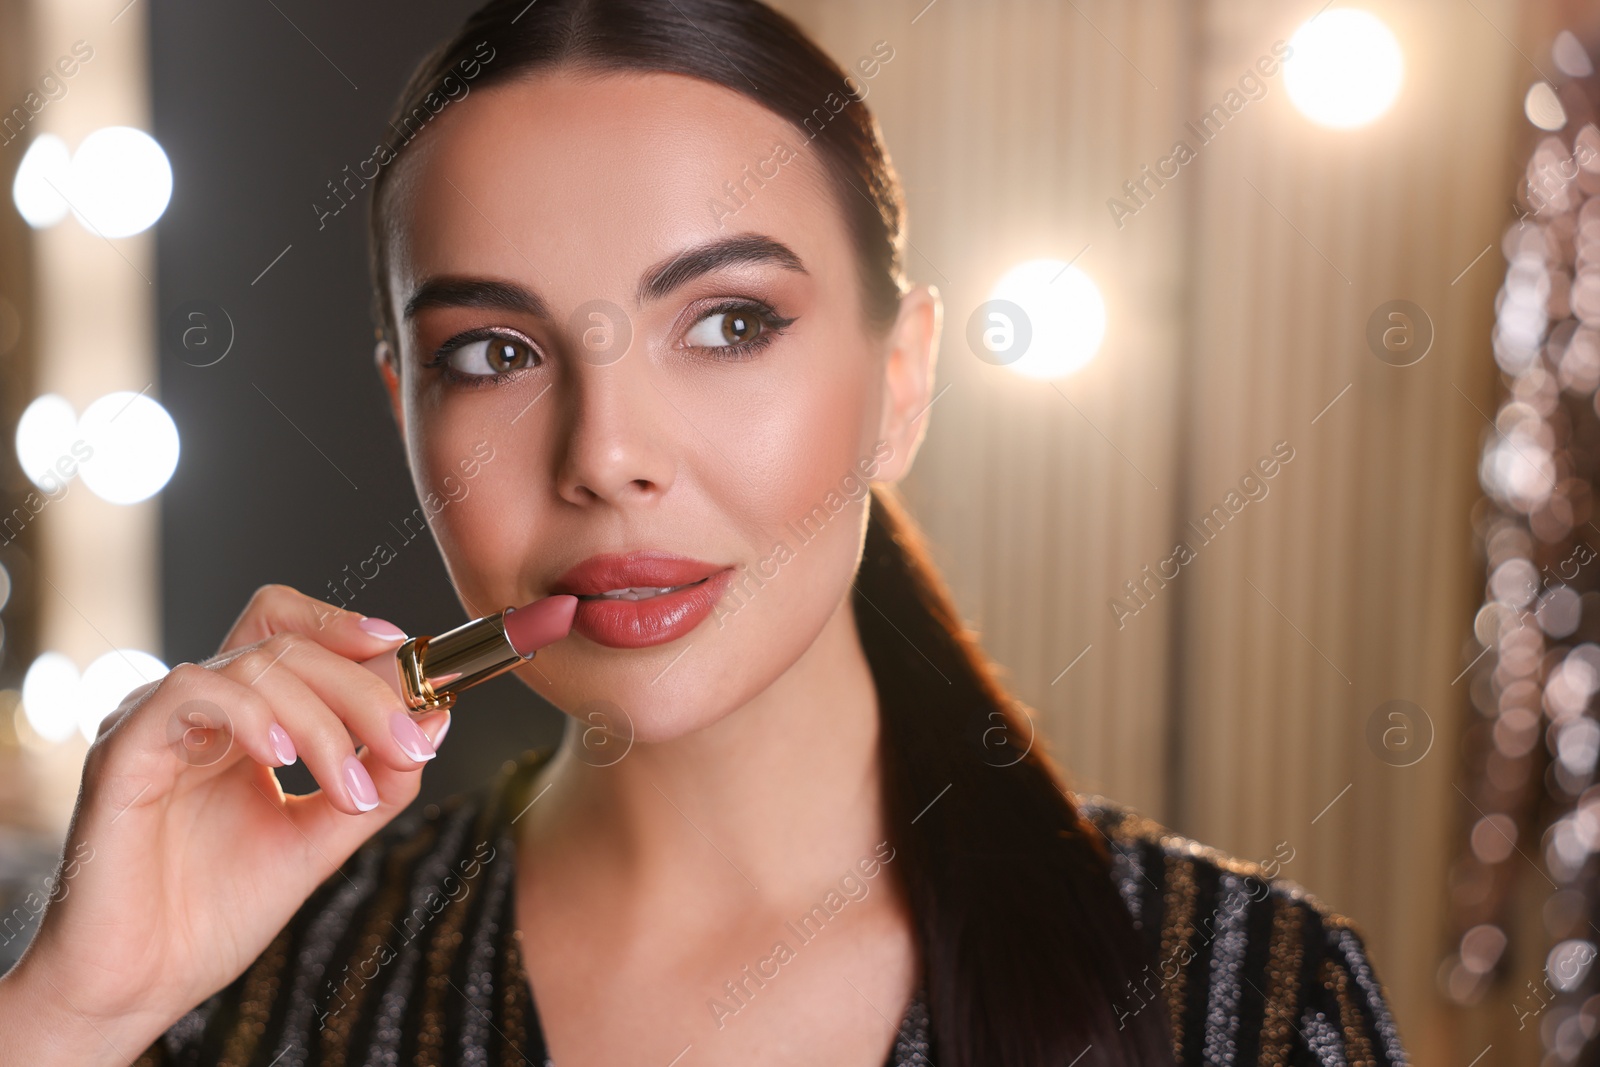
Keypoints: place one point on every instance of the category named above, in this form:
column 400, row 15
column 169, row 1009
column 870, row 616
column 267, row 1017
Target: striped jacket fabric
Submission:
column 409, row 955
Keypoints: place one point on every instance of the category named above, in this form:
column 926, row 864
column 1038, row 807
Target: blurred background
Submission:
column 1263, row 454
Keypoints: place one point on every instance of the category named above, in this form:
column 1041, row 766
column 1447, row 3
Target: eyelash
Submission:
column 441, row 356
column 772, row 324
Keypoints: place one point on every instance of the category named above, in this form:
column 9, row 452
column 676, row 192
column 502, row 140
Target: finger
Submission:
column 276, row 609
column 124, row 706
column 319, row 735
column 339, row 835
column 193, row 717
column 394, row 781
column 363, row 701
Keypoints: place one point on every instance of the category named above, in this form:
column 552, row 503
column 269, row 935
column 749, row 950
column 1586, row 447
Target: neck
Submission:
column 779, row 796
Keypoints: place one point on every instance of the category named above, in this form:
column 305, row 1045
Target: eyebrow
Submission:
column 692, row 262
column 475, row 292
column 658, row 281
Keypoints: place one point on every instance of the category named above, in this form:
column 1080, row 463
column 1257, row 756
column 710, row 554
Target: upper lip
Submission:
column 603, row 573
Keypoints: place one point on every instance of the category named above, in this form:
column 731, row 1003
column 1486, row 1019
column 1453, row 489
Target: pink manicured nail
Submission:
column 413, row 742
column 358, row 783
column 386, row 630
column 282, row 746
column 444, row 728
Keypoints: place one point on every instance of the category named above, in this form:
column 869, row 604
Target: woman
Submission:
column 650, row 254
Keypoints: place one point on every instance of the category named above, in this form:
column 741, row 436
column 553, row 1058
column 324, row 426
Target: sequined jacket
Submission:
column 410, row 955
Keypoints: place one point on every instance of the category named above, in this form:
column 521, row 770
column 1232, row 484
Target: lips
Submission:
column 644, row 614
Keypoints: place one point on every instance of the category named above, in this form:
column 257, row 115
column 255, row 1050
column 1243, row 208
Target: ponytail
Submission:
column 1026, row 940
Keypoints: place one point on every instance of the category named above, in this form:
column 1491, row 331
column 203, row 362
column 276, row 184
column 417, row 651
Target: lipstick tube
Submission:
column 427, row 672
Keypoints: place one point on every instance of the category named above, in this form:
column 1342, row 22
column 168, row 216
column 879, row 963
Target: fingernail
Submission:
column 444, row 728
column 282, row 746
column 379, row 628
column 358, row 783
column 413, row 742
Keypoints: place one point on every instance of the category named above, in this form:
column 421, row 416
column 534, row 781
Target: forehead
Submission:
column 577, row 182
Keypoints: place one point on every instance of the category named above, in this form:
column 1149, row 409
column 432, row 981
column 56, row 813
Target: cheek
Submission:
column 441, row 449
column 461, row 475
column 801, row 502
column 799, row 438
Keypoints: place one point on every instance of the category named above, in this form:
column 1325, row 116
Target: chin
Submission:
column 657, row 724
column 639, row 696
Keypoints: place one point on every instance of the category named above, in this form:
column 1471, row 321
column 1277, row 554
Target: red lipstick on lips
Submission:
column 663, row 596
column 428, row 672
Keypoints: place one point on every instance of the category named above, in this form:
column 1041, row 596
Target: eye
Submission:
column 732, row 327
column 487, row 355
column 735, row 328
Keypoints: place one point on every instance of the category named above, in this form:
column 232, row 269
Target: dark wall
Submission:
column 292, row 469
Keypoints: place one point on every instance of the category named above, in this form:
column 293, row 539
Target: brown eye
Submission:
column 738, row 327
column 726, row 328
column 490, row 356
column 504, row 355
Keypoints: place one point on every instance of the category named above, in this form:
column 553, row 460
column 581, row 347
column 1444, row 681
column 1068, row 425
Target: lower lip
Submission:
column 652, row 621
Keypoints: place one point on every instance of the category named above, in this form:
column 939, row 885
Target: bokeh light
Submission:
column 1543, row 108
column 45, row 435
column 42, row 172
column 1542, row 743
column 57, row 701
column 1066, row 313
column 126, row 445
column 135, row 447
column 121, row 181
column 110, row 678
column 50, row 696
column 118, row 183
column 1571, row 58
column 1345, row 68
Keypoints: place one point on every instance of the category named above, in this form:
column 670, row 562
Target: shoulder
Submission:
column 372, row 946
column 1249, row 966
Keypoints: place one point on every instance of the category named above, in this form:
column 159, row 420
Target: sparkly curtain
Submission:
column 1529, row 753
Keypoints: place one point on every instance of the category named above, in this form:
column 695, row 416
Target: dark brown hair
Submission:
column 1025, row 940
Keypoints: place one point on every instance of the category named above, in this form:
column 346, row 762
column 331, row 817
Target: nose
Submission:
column 615, row 451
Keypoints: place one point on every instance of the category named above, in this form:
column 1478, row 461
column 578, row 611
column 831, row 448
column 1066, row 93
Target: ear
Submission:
column 908, row 379
column 384, row 358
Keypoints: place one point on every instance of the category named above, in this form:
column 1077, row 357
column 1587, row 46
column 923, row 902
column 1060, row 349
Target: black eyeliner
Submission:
column 440, row 360
column 773, row 326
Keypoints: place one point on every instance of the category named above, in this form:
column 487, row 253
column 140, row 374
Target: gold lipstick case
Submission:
column 428, row 672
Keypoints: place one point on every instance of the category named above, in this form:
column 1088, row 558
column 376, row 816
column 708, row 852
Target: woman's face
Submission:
column 630, row 329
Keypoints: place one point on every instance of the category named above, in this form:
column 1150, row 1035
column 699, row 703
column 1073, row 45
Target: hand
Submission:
column 185, row 857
